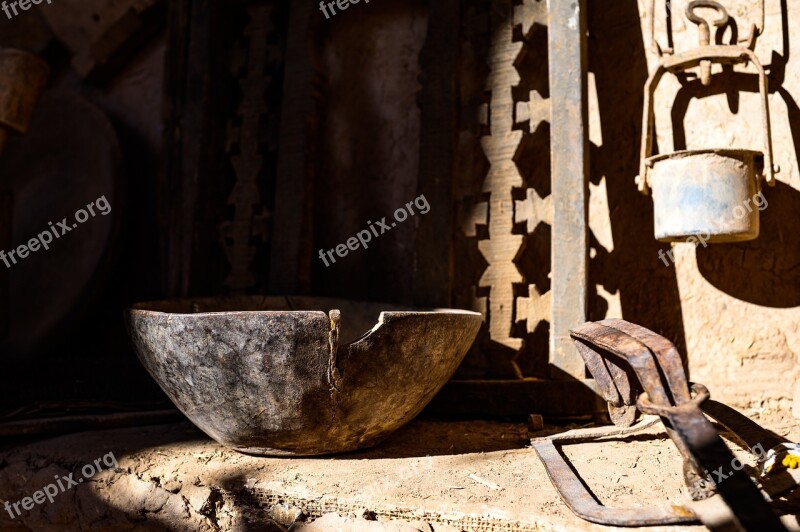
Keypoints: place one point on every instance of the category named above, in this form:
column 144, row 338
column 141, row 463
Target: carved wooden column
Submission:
column 500, row 146
column 247, row 141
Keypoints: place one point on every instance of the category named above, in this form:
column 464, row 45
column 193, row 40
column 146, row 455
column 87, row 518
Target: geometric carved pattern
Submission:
column 248, row 227
column 502, row 115
column 536, row 110
column 534, row 209
column 534, row 308
column 529, row 13
column 500, row 147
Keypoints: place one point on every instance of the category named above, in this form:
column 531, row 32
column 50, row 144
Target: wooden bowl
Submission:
column 296, row 375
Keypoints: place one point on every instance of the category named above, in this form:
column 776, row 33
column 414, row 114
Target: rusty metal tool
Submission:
column 694, row 436
column 578, row 497
column 624, row 358
column 23, row 77
column 644, row 352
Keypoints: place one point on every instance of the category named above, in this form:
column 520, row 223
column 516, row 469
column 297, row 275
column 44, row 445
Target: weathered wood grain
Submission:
column 283, row 382
column 500, row 146
column 248, row 226
column 290, row 255
column 439, row 119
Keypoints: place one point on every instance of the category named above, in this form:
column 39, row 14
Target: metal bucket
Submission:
column 706, row 194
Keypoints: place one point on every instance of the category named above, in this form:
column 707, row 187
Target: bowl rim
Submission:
column 141, row 308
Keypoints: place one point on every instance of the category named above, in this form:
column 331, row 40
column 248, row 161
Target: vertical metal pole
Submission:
column 570, row 157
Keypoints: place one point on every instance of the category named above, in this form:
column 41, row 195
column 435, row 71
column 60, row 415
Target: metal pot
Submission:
column 706, row 194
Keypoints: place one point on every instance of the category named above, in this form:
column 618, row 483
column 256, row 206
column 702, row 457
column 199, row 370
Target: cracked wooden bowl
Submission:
column 298, row 375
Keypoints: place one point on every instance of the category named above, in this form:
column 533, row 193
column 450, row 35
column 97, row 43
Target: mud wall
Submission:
column 732, row 307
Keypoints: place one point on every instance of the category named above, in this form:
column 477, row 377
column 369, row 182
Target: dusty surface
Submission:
column 468, row 475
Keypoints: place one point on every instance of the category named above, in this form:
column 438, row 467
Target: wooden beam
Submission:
column 6, row 242
column 438, row 101
column 190, row 186
column 290, row 255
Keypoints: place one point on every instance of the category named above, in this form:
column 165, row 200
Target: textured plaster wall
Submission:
column 734, row 308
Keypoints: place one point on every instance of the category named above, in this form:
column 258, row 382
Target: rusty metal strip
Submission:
column 669, row 359
column 629, row 350
column 704, row 443
column 570, row 156
column 745, row 429
column 581, row 501
column 639, row 357
column 616, row 387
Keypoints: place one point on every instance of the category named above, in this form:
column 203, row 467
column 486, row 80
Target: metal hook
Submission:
column 756, row 29
column 705, row 30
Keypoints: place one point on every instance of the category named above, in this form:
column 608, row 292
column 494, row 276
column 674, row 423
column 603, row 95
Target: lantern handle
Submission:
column 703, row 25
column 682, row 62
column 756, row 28
column 704, row 28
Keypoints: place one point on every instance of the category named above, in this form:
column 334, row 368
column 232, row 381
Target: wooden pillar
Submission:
column 438, row 101
column 290, row 256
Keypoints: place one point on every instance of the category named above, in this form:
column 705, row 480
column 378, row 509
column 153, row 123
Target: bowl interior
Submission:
column 357, row 319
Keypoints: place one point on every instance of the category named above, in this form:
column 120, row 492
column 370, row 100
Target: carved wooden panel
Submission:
column 224, row 83
column 503, row 217
column 253, row 63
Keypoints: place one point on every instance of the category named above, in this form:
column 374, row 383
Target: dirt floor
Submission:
column 433, row 475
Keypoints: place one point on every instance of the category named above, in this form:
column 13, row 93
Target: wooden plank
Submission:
column 195, row 137
column 246, row 228
column 517, row 399
column 438, row 101
column 6, row 241
column 103, row 34
column 570, row 156
column 290, row 255
column 175, row 276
